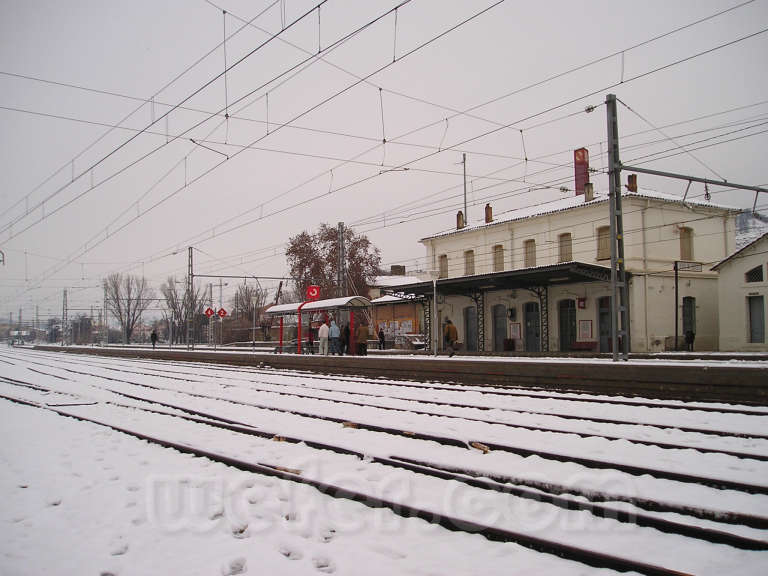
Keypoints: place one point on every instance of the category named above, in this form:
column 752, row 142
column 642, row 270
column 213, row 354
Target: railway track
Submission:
column 587, row 556
column 563, row 497
column 719, row 382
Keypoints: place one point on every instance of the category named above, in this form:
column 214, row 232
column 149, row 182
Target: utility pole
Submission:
column 619, row 298
column 190, row 296
column 105, row 324
column 464, row 162
column 341, row 280
column 211, row 338
column 64, row 319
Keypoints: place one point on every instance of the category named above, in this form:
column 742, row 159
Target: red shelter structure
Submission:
column 332, row 306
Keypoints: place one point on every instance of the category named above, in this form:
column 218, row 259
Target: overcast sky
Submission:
column 303, row 143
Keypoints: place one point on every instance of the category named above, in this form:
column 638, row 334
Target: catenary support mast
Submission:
column 619, row 296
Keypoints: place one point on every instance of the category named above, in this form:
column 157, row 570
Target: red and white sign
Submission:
column 313, row 292
column 209, row 312
column 221, row 312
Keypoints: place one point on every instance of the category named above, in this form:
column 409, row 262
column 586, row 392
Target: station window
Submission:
column 604, row 243
column 469, row 263
column 443, row 266
column 498, row 258
column 754, row 275
column 565, row 253
column 530, row 253
column 686, row 243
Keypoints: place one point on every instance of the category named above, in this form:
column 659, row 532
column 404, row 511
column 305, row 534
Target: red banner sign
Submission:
column 221, row 312
column 209, row 312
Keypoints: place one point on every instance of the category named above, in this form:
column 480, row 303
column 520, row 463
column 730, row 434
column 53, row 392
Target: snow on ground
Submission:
column 84, row 499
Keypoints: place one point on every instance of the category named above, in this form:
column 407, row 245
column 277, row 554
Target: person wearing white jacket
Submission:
column 322, row 333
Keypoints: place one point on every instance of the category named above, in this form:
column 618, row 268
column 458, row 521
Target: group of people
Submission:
column 338, row 340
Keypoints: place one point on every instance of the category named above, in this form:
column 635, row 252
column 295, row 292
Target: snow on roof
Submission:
column 386, row 281
column 389, row 299
column 572, row 202
column 344, row 302
column 739, row 251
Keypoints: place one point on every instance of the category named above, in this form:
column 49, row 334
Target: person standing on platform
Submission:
column 322, row 333
column 451, row 336
column 153, row 338
column 362, row 339
column 334, row 334
column 382, row 339
column 345, row 343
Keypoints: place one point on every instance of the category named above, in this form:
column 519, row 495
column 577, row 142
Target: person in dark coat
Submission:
column 690, row 336
column 451, row 336
column 345, row 339
column 153, row 338
column 382, row 340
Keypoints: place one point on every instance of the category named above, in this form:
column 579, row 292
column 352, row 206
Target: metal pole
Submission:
column 619, row 295
column 105, row 327
column 464, row 162
column 434, row 314
column 190, row 296
column 676, row 300
column 211, row 337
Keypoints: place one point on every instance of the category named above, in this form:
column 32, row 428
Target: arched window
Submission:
column 604, row 243
column 686, row 243
column 565, row 252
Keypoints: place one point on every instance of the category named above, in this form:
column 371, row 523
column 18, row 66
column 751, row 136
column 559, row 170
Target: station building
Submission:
column 538, row 279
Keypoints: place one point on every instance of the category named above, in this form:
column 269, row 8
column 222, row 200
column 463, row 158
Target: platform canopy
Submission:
column 344, row 303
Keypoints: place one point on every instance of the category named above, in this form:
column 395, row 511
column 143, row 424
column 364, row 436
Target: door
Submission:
column 756, row 319
column 567, row 324
column 499, row 327
column 470, row 326
column 532, row 327
column 604, row 323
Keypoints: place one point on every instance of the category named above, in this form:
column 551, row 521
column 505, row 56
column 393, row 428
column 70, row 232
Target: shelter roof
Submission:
column 563, row 273
column 344, row 302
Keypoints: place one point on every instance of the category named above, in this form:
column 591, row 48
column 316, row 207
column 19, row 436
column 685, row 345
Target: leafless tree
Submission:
column 127, row 297
column 179, row 304
column 248, row 297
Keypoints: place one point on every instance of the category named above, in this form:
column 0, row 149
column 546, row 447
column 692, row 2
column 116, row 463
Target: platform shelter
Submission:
column 331, row 306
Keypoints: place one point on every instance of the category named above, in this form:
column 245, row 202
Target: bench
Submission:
column 586, row 346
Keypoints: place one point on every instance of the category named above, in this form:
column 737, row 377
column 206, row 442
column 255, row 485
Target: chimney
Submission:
column 397, row 270
column 460, row 220
column 488, row 213
column 589, row 192
column 632, row 182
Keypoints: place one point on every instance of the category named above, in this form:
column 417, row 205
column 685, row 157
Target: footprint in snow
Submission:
column 328, row 535
column 290, row 553
column 323, row 564
column 56, row 502
column 240, row 530
column 119, row 549
column 236, row 566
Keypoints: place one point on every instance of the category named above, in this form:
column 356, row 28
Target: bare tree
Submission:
column 179, row 304
column 247, row 298
column 128, row 297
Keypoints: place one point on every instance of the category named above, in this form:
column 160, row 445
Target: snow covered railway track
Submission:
column 541, row 491
column 586, row 555
column 680, row 381
column 636, row 429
